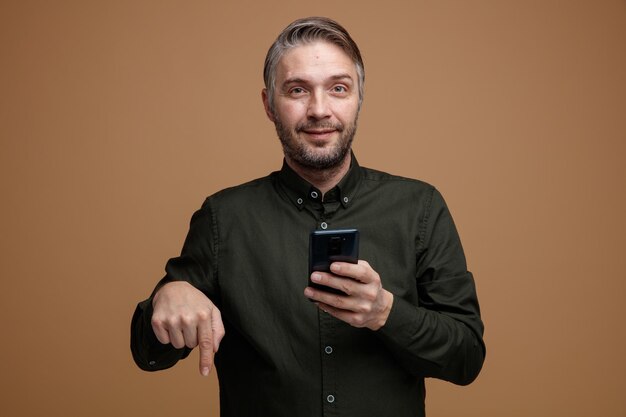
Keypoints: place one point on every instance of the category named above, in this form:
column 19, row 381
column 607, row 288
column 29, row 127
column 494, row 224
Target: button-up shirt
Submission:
column 247, row 250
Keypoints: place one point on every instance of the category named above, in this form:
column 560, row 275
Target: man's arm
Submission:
column 440, row 337
column 179, row 315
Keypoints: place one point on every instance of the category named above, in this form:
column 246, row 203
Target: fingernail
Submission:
column 335, row 267
column 205, row 371
column 308, row 292
column 316, row 277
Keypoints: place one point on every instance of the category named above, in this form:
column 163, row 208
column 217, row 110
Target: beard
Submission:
column 311, row 156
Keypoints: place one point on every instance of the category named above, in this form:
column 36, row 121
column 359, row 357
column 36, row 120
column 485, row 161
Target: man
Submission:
column 236, row 291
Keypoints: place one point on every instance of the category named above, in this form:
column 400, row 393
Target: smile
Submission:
column 319, row 134
column 317, row 131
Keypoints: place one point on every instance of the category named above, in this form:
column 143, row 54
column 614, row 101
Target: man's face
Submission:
column 316, row 104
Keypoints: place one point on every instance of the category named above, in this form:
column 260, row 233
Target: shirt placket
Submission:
column 327, row 325
column 330, row 398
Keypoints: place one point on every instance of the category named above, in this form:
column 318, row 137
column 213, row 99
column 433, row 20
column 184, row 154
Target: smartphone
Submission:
column 328, row 246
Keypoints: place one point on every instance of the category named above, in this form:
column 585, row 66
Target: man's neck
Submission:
column 322, row 179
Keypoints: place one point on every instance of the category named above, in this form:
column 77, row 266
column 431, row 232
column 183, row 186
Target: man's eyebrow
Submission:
column 294, row 80
column 341, row 77
column 299, row 80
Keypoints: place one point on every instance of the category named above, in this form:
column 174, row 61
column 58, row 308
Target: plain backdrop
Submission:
column 117, row 119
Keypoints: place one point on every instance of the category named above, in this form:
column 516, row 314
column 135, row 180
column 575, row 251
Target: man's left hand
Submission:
column 366, row 303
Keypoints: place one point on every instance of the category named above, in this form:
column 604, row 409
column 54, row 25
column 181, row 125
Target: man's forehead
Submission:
column 319, row 58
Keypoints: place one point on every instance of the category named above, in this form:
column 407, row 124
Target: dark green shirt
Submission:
column 247, row 250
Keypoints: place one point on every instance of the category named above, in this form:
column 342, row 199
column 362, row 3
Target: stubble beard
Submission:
column 307, row 155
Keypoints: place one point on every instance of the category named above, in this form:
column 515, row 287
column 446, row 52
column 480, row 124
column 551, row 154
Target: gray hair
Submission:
column 307, row 30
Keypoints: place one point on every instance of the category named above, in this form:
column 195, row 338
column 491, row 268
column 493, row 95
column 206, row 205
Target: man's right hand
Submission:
column 184, row 316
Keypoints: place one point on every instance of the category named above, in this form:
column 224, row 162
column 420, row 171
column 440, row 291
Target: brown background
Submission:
column 117, row 118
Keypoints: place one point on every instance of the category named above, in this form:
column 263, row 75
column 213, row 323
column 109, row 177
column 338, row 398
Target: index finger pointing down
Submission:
column 205, row 344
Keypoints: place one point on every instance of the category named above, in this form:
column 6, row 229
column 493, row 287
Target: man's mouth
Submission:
column 319, row 132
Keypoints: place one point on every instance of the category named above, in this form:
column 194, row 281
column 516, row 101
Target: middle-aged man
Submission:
column 238, row 288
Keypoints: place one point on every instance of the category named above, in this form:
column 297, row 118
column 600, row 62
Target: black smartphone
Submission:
column 328, row 246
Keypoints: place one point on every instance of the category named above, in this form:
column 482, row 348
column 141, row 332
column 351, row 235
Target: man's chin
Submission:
column 321, row 159
column 315, row 153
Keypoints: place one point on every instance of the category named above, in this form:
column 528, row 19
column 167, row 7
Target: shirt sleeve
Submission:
column 196, row 265
column 442, row 336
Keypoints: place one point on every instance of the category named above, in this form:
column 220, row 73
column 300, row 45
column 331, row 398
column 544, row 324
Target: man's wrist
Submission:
column 157, row 291
column 384, row 314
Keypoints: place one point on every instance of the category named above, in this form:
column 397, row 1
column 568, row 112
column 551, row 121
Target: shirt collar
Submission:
column 300, row 191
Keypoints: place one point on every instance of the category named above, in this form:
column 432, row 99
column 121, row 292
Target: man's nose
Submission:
column 319, row 106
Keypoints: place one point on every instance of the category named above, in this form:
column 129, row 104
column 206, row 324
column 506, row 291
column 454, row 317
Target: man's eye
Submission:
column 297, row 90
column 340, row 89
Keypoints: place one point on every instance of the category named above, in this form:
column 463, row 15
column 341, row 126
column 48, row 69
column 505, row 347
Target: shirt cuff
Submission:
column 402, row 322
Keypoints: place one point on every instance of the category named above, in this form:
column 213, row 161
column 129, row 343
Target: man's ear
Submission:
column 266, row 104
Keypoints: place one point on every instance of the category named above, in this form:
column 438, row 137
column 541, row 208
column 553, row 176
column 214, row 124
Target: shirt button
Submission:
column 346, row 199
column 328, row 350
column 314, row 194
column 299, row 201
column 330, row 398
column 324, row 225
